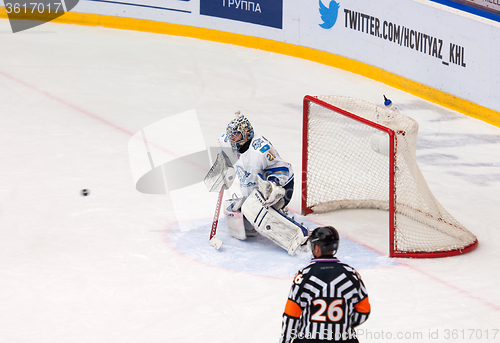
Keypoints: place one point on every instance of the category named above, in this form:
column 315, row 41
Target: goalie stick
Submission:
column 220, row 175
column 214, row 241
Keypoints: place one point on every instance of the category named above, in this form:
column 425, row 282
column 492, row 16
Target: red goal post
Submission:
column 359, row 155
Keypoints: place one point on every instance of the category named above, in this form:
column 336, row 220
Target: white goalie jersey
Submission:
column 260, row 158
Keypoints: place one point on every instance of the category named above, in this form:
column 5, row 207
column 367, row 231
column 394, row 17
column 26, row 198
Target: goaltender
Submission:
column 327, row 299
column 266, row 184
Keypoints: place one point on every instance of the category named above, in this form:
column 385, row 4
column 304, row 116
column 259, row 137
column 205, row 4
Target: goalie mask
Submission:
column 326, row 237
column 239, row 131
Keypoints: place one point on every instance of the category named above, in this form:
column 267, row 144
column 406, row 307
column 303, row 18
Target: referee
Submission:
column 327, row 299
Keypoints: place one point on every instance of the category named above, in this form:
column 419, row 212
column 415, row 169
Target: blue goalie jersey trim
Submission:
column 277, row 171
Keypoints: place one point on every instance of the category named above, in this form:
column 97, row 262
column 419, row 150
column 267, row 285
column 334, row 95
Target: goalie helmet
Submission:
column 239, row 131
column 326, row 237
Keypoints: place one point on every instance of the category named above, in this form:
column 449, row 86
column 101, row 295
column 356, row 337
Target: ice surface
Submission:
column 115, row 266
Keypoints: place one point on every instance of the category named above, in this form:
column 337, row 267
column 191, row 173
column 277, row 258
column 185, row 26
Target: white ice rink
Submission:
column 116, row 267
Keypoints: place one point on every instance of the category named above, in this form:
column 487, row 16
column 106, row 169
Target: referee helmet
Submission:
column 326, row 237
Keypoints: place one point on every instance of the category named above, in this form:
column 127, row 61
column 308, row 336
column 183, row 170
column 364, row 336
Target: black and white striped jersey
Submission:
column 327, row 300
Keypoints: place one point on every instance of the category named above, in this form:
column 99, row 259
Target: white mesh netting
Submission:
column 348, row 167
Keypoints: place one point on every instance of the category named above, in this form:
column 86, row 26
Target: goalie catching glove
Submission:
column 271, row 191
column 277, row 193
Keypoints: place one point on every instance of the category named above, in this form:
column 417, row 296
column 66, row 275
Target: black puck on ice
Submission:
column 85, row 192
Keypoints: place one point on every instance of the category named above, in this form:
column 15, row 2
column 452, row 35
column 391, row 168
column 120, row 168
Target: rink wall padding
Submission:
column 421, row 90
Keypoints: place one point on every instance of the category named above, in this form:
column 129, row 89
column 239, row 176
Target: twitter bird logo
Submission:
column 329, row 14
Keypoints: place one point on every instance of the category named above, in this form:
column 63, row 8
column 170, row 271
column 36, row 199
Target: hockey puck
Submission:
column 85, row 192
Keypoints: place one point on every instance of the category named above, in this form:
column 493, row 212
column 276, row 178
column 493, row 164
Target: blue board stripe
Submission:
column 470, row 9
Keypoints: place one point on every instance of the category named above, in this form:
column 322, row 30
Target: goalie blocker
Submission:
column 273, row 224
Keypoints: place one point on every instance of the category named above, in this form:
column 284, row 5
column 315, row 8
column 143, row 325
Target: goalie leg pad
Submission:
column 273, row 224
column 249, row 229
column 234, row 220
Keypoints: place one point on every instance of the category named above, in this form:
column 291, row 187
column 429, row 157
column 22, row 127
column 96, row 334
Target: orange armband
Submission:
column 363, row 306
column 292, row 309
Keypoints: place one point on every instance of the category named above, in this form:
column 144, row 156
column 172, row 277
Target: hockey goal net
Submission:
column 360, row 155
